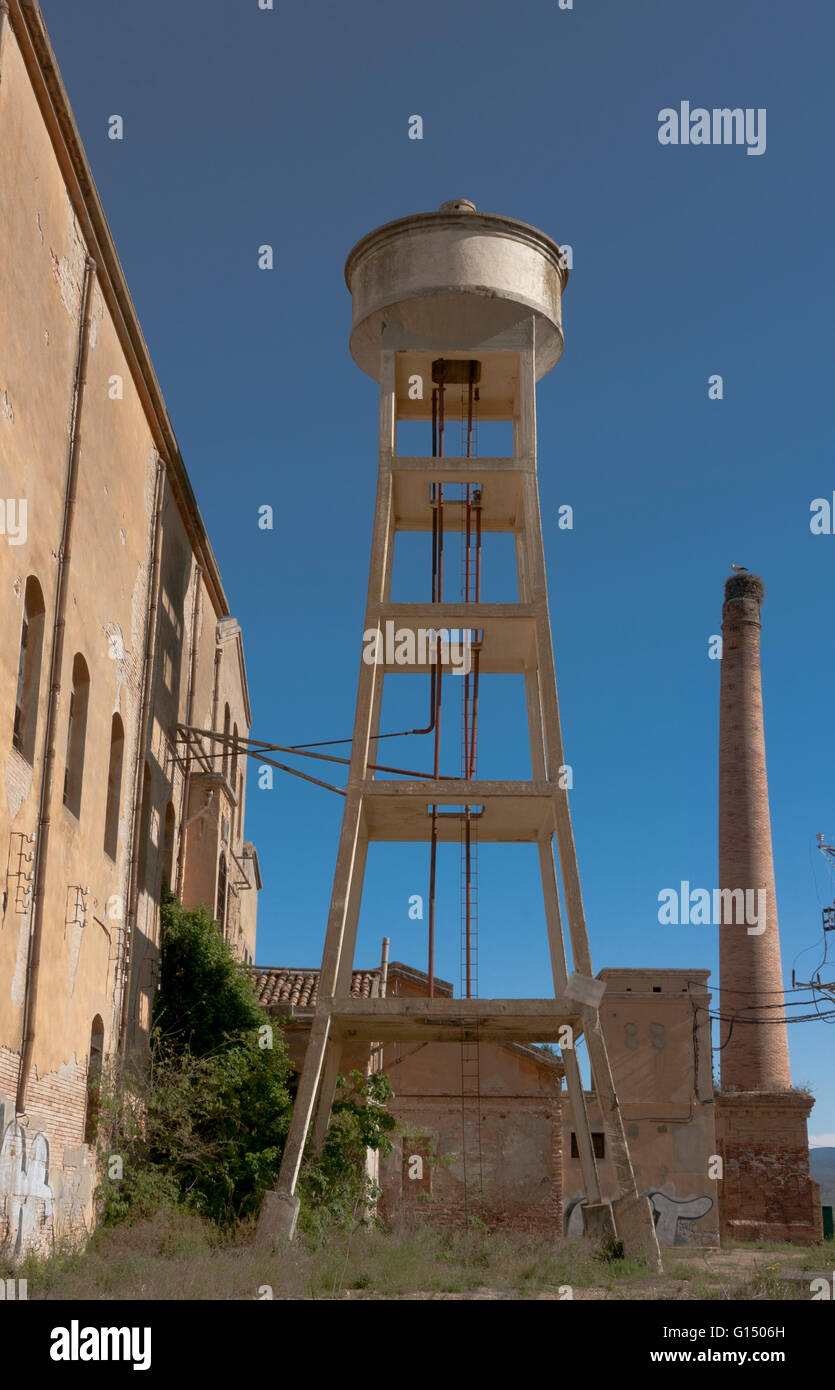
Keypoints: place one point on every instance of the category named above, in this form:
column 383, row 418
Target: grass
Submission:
column 176, row 1255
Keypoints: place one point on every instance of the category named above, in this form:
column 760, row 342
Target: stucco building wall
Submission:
column 129, row 472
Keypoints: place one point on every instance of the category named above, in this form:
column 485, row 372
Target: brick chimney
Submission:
column 765, row 1189
column 755, row 1054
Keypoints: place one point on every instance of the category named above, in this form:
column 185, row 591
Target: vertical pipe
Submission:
column 384, row 967
column 30, row 998
column 474, row 729
column 433, row 853
column 468, row 894
column 469, row 752
column 467, row 563
column 439, row 588
column 478, row 552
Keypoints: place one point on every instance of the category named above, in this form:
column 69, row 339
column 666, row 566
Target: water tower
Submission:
column 457, row 314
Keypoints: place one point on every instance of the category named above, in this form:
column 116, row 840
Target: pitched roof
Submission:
column 288, row 985
column 286, row 988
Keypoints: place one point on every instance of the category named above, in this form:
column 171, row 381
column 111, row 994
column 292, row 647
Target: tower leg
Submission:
column 327, row 1091
column 573, row 1080
column 638, row 1228
column 342, row 989
column 280, row 1210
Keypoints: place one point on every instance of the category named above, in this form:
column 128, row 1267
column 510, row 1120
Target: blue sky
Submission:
column 290, row 127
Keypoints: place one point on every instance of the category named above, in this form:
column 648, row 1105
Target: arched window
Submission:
column 114, row 786
column 29, row 671
column 221, row 893
column 76, row 734
column 226, row 722
column 168, row 847
column 94, row 1065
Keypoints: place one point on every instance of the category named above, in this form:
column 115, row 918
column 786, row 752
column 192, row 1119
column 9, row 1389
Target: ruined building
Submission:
column 510, row 1156
column 115, row 637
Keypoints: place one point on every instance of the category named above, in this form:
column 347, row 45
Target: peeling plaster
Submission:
column 68, row 1070
column 97, row 316
column 18, row 779
column 19, row 976
column 75, row 952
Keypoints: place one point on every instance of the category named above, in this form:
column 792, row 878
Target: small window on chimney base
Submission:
column 656, row 989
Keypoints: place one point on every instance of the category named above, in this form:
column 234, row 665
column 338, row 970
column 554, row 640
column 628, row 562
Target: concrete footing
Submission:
column 277, row 1220
column 636, row 1229
column 598, row 1221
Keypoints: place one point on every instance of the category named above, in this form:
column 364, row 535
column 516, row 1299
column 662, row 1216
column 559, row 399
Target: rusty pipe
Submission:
column 438, row 558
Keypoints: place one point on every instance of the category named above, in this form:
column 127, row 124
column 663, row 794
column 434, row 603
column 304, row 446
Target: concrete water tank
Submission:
column 453, row 280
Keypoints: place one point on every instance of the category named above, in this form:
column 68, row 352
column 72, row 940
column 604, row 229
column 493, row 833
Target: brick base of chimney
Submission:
column 766, row 1192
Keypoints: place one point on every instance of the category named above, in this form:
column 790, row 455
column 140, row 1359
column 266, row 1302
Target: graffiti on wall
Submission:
column 668, row 1212
column 26, row 1199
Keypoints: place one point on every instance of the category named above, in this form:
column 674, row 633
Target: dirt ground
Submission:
column 689, row 1273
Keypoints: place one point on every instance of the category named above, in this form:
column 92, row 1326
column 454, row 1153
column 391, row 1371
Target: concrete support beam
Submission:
column 598, row 1222
column 636, row 1229
column 277, row 1220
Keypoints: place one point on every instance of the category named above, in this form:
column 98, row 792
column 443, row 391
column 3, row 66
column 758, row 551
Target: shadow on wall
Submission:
column 674, row 1216
column 26, row 1200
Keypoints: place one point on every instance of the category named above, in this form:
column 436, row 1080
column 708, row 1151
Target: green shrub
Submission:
column 334, row 1188
column 205, row 999
column 204, row 1124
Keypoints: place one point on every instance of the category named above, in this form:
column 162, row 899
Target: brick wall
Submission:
column 766, row 1191
column 515, row 1181
column 47, row 1173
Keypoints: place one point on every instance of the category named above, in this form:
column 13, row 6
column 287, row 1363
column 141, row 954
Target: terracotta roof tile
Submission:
column 278, row 984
